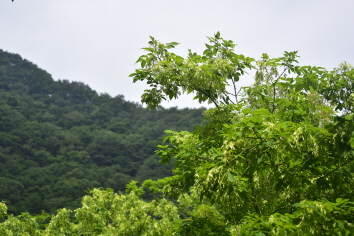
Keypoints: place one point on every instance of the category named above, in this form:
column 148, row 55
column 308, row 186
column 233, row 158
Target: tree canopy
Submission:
column 59, row 139
column 274, row 158
column 285, row 140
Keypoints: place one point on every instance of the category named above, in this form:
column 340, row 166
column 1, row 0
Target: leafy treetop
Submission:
column 286, row 139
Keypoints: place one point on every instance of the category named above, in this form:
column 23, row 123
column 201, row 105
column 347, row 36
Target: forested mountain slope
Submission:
column 59, row 138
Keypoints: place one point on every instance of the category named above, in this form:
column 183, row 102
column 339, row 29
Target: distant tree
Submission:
column 51, row 131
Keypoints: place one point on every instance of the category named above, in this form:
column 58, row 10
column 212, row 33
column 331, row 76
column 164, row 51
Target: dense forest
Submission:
column 58, row 139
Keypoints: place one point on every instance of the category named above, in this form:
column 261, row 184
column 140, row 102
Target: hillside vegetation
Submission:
column 58, row 139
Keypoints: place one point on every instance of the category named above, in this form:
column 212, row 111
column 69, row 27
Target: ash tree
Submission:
column 272, row 158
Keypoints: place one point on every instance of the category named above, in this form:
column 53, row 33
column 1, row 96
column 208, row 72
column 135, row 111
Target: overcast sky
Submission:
column 98, row 41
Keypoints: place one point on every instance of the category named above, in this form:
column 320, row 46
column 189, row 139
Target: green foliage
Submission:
column 275, row 158
column 205, row 75
column 103, row 212
column 310, row 218
column 265, row 149
column 58, row 139
column 132, row 187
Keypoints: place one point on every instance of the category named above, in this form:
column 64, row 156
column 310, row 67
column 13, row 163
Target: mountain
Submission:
column 59, row 139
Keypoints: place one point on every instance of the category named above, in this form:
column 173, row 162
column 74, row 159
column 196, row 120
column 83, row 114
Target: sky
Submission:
column 98, row 41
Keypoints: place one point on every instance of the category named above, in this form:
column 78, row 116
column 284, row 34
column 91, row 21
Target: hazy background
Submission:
column 98, row 41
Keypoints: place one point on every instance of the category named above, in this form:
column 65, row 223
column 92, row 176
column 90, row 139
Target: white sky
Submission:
column 98, row 41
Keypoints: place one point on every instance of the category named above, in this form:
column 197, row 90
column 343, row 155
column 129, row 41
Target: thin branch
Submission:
column 227, row 96
column 233, row 83
column 276, row 210
column 335, row 169
column 208, row 95
column 281, row 74
column 239, row 90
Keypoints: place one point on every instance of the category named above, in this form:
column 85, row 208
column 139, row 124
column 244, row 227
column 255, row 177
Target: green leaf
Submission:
column 143, row 63
column 231, row 177
column 217, row 35
column 259, row 234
